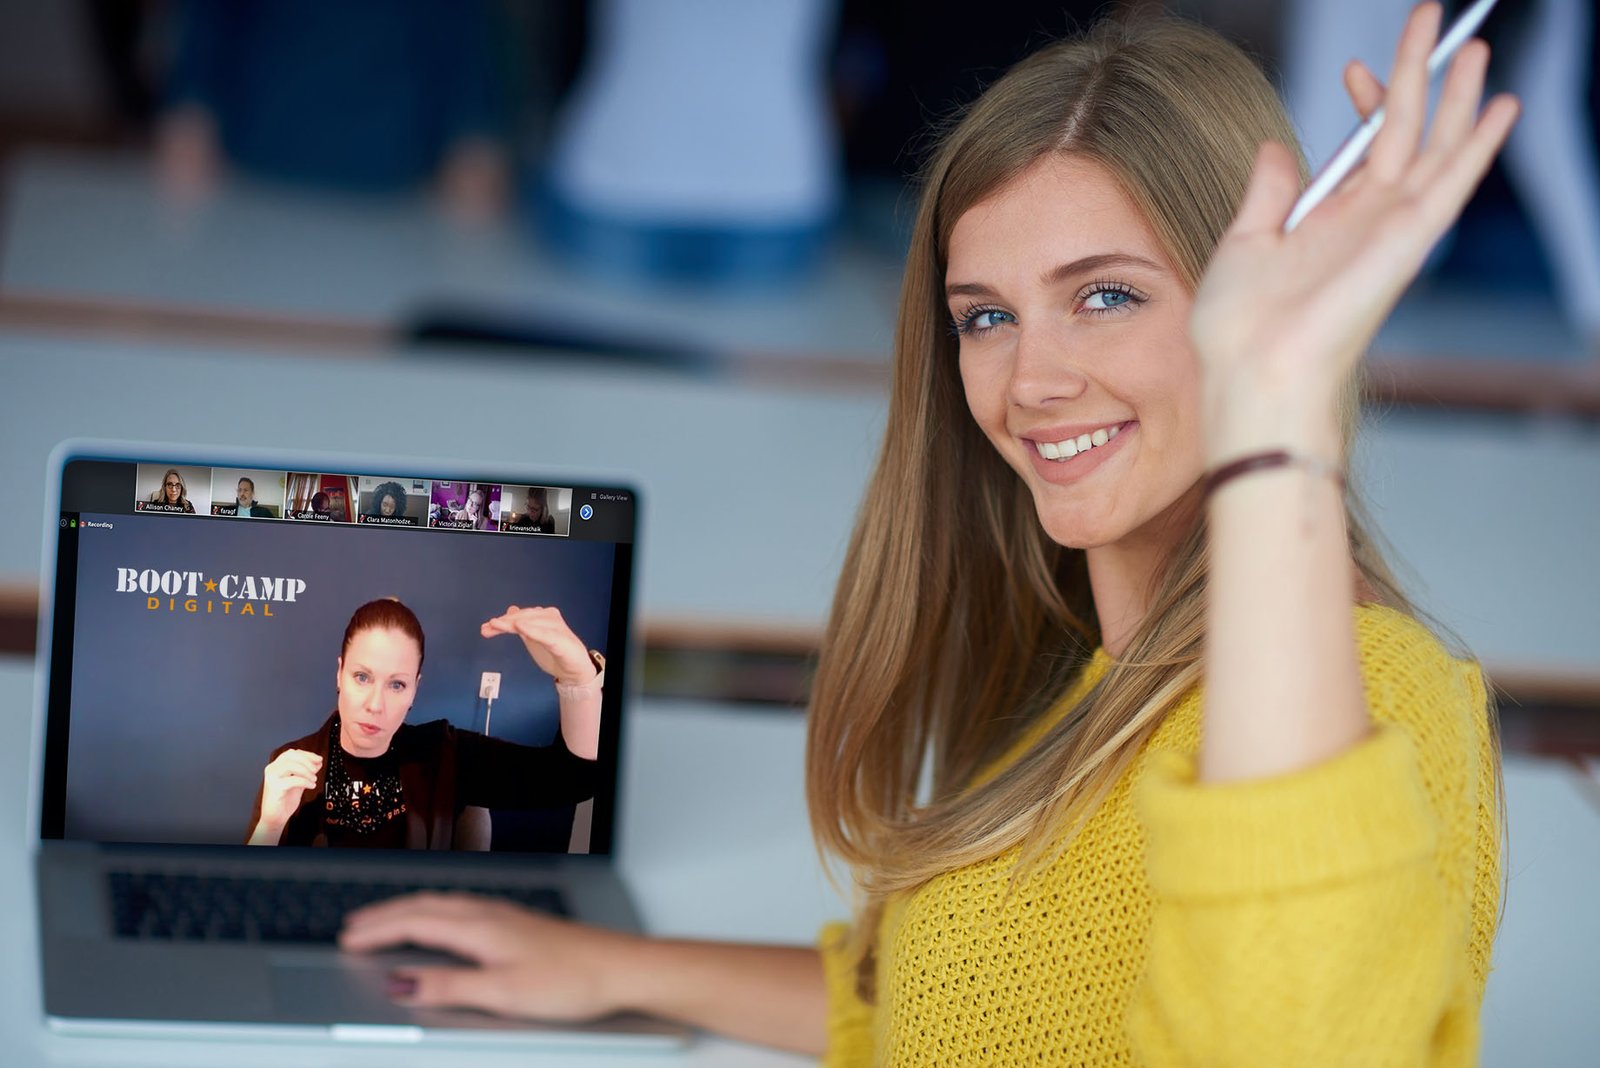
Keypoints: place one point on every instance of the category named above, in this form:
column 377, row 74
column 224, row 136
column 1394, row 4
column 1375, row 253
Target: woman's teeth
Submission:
column 1066, row 450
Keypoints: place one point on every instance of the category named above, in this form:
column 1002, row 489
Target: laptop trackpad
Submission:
column 352, row 992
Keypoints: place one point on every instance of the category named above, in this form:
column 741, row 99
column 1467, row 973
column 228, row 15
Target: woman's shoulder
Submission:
column 1408, row 671
column 429, row 737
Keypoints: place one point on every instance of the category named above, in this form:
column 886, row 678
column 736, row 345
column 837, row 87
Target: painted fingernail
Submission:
column 400, row 986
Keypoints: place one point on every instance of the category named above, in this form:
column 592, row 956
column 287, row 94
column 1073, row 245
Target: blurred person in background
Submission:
column 369, row 96
column 1545, row 53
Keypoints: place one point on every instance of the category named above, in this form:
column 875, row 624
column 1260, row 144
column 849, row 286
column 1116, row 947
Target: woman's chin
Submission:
column 360, row 745
column 1074, row 530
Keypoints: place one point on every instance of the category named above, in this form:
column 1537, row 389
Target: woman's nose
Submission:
column 1043, row 368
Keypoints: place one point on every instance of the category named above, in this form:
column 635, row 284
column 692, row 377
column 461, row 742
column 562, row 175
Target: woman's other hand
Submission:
column 534, row 966
column 283, row 783
column 549, row 640
column 1280, row 319
column 527, row 964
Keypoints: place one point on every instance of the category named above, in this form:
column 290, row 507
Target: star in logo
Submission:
column 211, row 586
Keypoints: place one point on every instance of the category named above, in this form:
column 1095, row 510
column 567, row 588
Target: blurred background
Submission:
column 661, row 239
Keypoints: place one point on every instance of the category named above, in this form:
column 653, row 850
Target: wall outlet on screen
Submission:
column 489, row 685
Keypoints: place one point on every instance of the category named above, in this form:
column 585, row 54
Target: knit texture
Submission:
column 1339, row 915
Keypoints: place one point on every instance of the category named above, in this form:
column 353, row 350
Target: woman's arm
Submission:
column 1279, row 323
column 561, row 655
column 284, row 783
column 1315, row 888
column 538, row 967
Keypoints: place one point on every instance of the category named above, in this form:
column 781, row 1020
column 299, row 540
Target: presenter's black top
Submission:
column 442, row 770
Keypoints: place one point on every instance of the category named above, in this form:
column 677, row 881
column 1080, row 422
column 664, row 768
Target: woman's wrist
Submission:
column 1238, row 426
column 579, row 683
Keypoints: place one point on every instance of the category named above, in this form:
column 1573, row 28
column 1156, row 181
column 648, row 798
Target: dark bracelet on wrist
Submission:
column 1265, row 461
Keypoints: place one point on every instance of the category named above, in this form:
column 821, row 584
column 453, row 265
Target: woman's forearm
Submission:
column 580, row 718
column 771, row 995
column 1283, row 677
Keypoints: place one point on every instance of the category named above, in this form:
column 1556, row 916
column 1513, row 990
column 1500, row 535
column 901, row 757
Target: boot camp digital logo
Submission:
column 195, row 593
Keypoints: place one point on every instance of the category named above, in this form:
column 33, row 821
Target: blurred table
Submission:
column 91, row 234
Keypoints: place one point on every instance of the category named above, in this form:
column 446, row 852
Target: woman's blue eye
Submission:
column 362, row 677
column 981, row 320
column 397, row 685
column 1107, row 299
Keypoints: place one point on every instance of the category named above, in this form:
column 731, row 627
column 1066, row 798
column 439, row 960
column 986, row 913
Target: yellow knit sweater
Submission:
column 1341, row 915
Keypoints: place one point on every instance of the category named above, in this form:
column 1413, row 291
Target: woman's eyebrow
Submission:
column 1055, row 275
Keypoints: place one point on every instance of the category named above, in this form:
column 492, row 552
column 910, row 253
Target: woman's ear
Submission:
column 338, row 672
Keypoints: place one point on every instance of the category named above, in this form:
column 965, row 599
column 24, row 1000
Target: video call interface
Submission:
column 194, row 644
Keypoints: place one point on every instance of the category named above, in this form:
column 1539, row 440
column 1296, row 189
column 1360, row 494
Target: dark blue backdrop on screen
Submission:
column 175, row 712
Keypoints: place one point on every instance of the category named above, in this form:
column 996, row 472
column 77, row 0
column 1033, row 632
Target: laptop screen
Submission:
column 209, row 620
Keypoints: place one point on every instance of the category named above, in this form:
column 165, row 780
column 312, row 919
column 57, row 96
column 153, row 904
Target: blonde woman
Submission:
column 1197, row 787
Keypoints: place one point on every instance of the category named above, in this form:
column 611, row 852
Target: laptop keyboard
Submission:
column 203, row 908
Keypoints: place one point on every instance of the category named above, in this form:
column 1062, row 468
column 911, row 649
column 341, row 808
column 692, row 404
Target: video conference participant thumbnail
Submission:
column 392, row 502
column 158, row 488
column 247, row 494
column 540, row 510
column 321, row 498
column 464, row 506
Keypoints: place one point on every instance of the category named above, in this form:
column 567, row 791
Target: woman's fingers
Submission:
column 1457, row 112
column 453, row 988
column 1274, row 184
column 1406, row 103
column 1366, row 91
column 1464, row 168
column 456, row 923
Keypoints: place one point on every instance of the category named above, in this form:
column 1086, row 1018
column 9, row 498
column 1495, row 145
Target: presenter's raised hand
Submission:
column 283, row 783
column 552, row 644
column 1280, row 319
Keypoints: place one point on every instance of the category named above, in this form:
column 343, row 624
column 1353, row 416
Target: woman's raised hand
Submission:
column 1281, row 319
column 526, row 964
column 283, row 783
column 549, row 640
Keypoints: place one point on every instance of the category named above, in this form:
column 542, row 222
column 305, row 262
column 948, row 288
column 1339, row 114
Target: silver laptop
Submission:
column 194, row 615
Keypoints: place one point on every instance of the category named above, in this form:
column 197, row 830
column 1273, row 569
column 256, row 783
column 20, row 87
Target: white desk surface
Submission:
column 95, row 226
column 715, row 845
column 749, row 492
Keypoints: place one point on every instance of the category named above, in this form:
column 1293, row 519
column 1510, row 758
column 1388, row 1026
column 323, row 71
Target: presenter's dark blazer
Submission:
column 442, row 770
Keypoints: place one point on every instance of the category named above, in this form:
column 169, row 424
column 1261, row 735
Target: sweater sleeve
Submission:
column 849, row 1018
column 1325, row 916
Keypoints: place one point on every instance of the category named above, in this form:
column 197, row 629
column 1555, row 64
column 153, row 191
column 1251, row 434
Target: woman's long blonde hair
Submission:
column 957, row 620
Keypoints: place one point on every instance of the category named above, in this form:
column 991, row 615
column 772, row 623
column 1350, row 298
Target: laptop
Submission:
column 192, row 623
